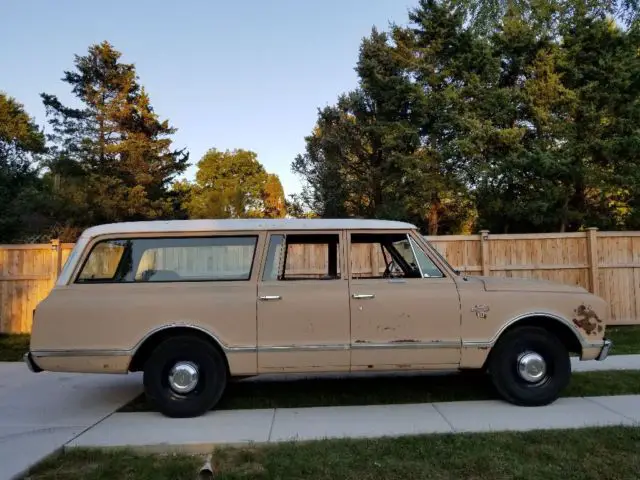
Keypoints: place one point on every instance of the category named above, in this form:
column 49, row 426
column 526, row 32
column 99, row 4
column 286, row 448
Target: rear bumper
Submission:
column 604, row 351
column 28, row 359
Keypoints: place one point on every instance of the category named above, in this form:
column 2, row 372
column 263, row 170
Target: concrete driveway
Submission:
column 39, row 413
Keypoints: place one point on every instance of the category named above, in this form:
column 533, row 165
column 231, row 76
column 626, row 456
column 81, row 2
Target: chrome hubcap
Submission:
column 183, row 377
column 531, row 367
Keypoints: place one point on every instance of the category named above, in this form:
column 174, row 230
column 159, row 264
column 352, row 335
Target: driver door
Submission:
column 405, row 312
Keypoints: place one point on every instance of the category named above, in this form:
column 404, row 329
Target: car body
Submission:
column 196, row 303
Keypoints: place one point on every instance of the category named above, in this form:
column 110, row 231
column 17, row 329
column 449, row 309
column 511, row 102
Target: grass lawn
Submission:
column 626, row 339
column 393, row 390
column 594, row 453
column 12, row 347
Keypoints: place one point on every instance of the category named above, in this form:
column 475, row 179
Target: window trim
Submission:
column 341, row 261
column 133, row 238
column 411, row 236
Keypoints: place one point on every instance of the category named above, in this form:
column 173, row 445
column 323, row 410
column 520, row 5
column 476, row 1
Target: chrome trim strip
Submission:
column 80, row 353
column 404, row 345
column 262, row 349
column 303, row 348
column 490, row 343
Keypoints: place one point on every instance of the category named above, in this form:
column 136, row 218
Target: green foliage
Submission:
column 234, row 184
column 486, row 15
column 527, row 126
column 111, row 158
column 22, row 192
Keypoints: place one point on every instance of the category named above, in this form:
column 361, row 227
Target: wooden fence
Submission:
column 605, row 263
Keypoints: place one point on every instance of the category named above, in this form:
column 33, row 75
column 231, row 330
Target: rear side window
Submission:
column 179, row 259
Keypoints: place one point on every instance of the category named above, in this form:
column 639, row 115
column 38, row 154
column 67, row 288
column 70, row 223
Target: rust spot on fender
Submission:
column 586, row 319
column 361, row 341
column 405, row 341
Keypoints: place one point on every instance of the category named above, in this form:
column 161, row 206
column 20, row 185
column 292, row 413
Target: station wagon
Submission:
column 194, row 304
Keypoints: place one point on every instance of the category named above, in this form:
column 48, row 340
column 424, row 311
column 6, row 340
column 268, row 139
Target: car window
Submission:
column 389, row 255
column 302, row 257
column 176, row 259
column 103, row 261
column 428, row 268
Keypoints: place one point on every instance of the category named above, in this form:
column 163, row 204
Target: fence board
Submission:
column 27, row 272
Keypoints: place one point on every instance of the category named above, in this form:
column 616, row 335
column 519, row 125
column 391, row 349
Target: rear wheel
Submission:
column 185, row 376
column 530, row 366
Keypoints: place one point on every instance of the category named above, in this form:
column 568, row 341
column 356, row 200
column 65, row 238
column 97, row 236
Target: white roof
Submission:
column 164, row 226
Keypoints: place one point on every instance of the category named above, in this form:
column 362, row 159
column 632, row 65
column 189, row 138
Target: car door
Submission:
column 303, row 303
column 405, row 311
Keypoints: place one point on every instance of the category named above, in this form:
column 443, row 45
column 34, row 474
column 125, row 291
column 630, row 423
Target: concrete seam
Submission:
column 273, row 421
column 635, row 422
column 453, row 430
column 92, row 426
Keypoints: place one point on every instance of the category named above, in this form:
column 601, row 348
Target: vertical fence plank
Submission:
column 592, row 248
column 485, row 252
column 56, row 260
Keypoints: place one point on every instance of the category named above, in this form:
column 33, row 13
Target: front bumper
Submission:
column 604, row 351
column 28, row 359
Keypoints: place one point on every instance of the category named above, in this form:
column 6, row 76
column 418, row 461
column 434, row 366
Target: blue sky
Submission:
column 228, row 74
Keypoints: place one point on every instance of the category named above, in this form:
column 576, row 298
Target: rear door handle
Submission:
column 363, row 296
column 267, row 298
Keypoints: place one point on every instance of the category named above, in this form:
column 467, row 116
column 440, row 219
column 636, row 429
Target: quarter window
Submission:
column 176, row 259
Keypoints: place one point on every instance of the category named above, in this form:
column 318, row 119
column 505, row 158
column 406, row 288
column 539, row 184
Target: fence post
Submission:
column 484, row 252
column 592, row 249
column 56, row 259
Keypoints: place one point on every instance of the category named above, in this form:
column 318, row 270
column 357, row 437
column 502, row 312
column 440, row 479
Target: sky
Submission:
column 227, row 74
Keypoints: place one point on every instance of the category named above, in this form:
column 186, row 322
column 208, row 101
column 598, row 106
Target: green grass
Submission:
column 595, row 453
column 13, row 347
column 626, row 339
column 393, row 390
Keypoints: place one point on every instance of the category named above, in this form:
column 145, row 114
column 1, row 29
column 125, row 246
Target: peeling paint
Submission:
column 587, row 320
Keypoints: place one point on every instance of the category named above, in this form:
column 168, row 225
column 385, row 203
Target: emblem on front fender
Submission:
column 480, row 310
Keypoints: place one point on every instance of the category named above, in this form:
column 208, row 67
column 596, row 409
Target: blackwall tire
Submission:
column 529, row 366
column 184, row 377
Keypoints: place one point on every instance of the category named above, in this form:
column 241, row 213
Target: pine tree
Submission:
column 113, row 155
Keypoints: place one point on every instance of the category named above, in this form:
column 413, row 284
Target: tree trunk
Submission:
column 434, row 215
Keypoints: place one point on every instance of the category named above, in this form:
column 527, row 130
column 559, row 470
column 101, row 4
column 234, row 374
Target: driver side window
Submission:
column 385, row 255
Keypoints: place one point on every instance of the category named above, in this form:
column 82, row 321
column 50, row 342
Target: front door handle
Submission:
column 363, row 296
column 267, row 298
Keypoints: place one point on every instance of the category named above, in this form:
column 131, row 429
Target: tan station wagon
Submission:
column 196, row 303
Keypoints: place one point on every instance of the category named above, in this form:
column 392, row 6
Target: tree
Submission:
column 486, row 15
column 273, row 197
column 530, row 126
column 234, row 184
column 112, row 156
column 21, row 189
column 368, row 156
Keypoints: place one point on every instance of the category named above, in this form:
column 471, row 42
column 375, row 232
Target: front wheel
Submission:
column 185, row 376
column 530, row 366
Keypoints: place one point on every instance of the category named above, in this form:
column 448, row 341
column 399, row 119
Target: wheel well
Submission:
column 563, row 332
column 144, row 351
